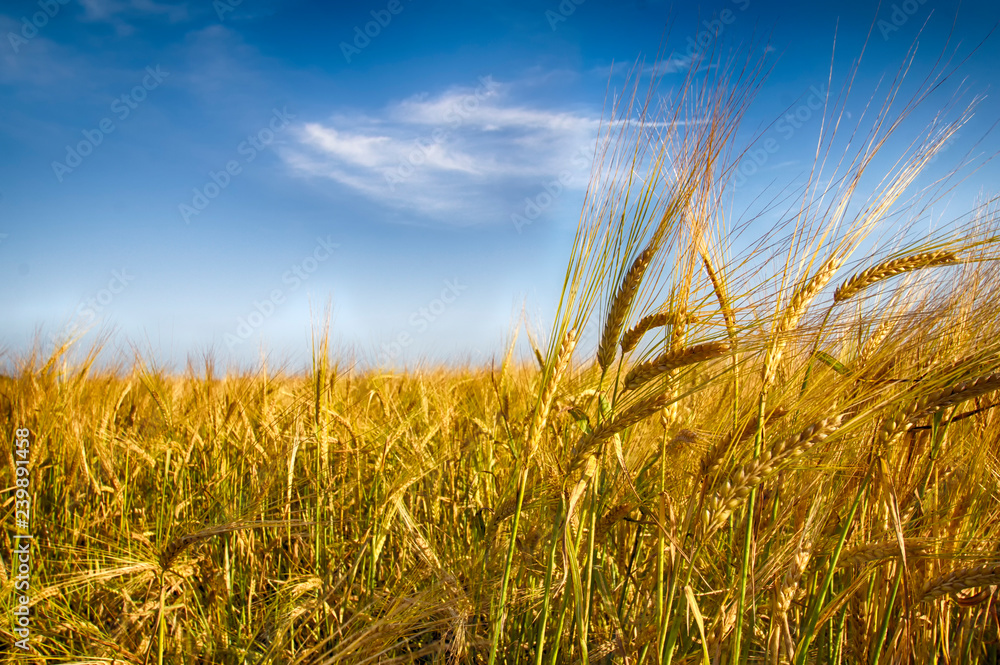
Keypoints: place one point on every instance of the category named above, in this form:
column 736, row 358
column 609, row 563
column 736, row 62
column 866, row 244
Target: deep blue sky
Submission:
column 409, row 151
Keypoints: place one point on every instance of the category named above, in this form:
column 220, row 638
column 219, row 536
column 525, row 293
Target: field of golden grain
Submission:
column 731, row 446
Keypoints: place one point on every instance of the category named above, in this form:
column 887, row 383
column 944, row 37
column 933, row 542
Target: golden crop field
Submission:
column 729, row 446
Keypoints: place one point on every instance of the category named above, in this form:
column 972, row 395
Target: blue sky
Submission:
column 201, row 177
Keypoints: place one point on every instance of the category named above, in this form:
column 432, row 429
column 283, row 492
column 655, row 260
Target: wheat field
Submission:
column 730, row 445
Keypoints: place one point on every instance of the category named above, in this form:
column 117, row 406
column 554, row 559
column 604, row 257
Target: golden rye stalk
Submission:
column 862, row 554
column 862, row 280
column 793, row 312
column 875, row 341
column 739, row 485
column 621, row 303
column 893, row 426
column 959, row 580
column 545, row 401
column 633, row 415
column 712, row 460
column 671, row 360
column 649, row 322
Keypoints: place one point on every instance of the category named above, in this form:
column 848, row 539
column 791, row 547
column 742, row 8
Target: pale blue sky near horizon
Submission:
column 204, row 177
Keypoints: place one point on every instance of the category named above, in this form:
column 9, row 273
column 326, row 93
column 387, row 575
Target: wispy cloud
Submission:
column 465, row 156
column 36, row 63
column 117, row 11
column 673, row 64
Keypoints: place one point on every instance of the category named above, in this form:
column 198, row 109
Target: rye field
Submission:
column 736, row 441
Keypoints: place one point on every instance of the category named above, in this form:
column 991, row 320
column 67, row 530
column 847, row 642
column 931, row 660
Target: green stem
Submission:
column 628, row 572
column 502, row 609
column 667, row 650
column 161, row 628
column 559, row 631
column 888, row 615
column 660, row 546
column 540, row 642
column 588, row 589
column 748, row 538
column 814, row 611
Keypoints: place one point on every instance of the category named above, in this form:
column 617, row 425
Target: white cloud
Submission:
column 37, row 62
column 673, row 64
column 468, row 155
column 107, row 10
column 115, row 11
